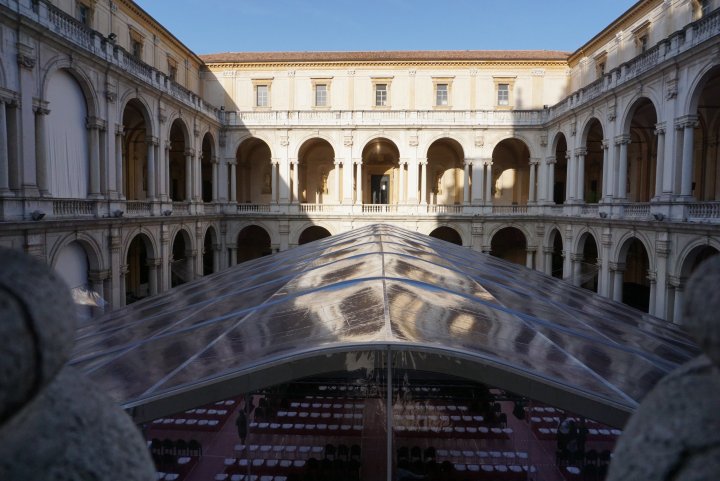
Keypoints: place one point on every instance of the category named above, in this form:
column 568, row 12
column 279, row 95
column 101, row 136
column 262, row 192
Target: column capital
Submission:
column 26, row 56
column 622, row 139
column 40, row 107
column 678, row 282
column 660, row 128
column 617, row 266
column 151, row 140
column 487, row 161
column 120, row 130
column 575, row 257
column 153, row 263
column 337, row 162
column 97, row 276
column 534, row 161
column 275, row 161
column 686, row 121
column 551, row 159
column 422, row 162
column 606, row 144
column 95, row 123
column 189, row 152
column 581, row 152
column 662, row 248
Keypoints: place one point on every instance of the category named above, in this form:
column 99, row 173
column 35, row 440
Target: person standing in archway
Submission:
column 242, row 425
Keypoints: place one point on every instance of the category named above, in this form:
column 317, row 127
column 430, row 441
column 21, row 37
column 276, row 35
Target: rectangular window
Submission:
column 84, row 14
column 643, row 43
column 137, row 49
column 503, row 94
column 441, row 94
column 381, row 95
column 320, row 95
column 261, row 96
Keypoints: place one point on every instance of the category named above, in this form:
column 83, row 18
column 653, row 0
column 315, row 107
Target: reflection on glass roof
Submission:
column 384, row 288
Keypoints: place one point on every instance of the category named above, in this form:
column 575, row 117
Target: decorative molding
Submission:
column 26, row 56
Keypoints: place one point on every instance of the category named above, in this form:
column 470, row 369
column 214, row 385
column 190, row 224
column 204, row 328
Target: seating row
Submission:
column 319, row 415
column 455, row 432
column 306, row 429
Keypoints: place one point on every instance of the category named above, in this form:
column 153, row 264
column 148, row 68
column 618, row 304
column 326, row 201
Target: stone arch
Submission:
column 696, row 256
column 207, row 158
column 86, row 85
column 445, row 171
column 252, row 241
column 89, row 243
column 554, row 246
column 380, row 172
column 254, row 135
column 313, row 233
column 371, row 136
column 509, row 243
column 254, row 173
column 510, row 172
column 297, row 231
column 705, row 180
column 210, row 260
column 589, row 186
column 137, row 128
column 141, row 277
column 639, row 125
column 448, row 234
column 560, row 169
column 442, row 136
column 314, row 135
column 587, row 252
column 680, row 267
column 67, row 137
column 180, row 188
column 697, row 85
column 636, row 262
column 131, row 95
column 319, row 177
column 182, row 265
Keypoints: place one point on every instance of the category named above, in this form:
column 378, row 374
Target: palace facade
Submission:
column 133, row 165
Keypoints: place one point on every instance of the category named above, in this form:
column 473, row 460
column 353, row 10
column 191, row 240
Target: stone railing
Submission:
column 444, row 209
column 510, row 209
column 253, row 208
column 636, row 210
column 667, row 49
column 379, row 209
column 138, row 208
column 180, row 208
column 331, row 118
column 704, row 210
column 58, row 22
column 589, row 210
column 73, row 208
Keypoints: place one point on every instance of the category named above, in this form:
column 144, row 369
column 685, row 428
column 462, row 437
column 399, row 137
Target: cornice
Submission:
column 415, row 64
column 641, row 8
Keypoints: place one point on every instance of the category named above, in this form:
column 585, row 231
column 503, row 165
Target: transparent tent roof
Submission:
column 307, row 310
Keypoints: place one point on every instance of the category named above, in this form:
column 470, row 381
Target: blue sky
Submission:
column 210, row 26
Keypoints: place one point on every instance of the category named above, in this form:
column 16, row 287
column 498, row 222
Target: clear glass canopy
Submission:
column 310, row 310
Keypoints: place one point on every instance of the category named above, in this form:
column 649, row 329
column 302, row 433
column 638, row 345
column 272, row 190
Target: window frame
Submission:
column 89, row 13
column 509, row 81
column 257, row 84
column 316, row 83
column 376, row 83
column 447, row 82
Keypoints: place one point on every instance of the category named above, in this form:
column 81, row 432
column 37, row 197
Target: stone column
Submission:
column 621, row 191
column 274, row 166
column 153, row 265
column 124, row 270
column 359, row 183
column 93, row 125
column 551, row 179
column 542, row 177
column 188, row 174
column 233, row 255
column 423, row 182
column 548, row 252
column 653, row 292
column 662, row 249
column 217, row 252
column 660, row 161
column 605, row 169
column 532, row 194
column 529, row 257
column 295, row 181
column 233, row 181
column 488, row 182
column 478, row 177
column 41, row 148
column 466, row 182
column 576, row 260
column 571, row 176
column 215, row 178
column 401, row 181
column 618, row 269
column 151, row 169
column 4, row 157
column 580, row 153
column 679, row 285
column 119, row 144
column 604, row 277
column 688, row 124
column 338, row 193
